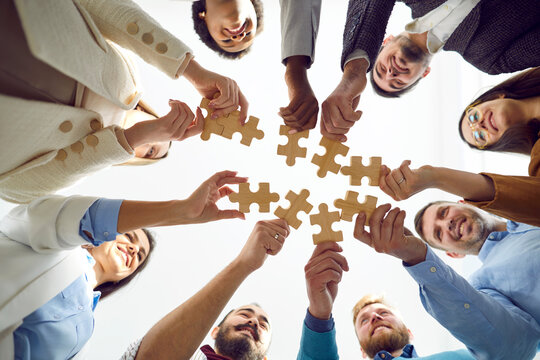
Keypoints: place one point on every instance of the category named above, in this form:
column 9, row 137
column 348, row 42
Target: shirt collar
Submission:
column 408, row 353
column 493, row 238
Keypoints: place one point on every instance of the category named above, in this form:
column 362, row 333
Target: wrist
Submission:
column 356, row 68
column 418, row 256
column 192, row 70
column 431, row 176
column 318, row 313
column 136, row 135
column 296, row 74
column 242, row 267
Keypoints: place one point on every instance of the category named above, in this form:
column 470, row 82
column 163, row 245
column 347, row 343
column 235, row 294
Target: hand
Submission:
column 402, row 183
column 201, row 206
column 387, row 235
column 263, row 242
column 323, row 274
column 338, row 110
column 179, row 124
column 209, row 83
column 301, row 113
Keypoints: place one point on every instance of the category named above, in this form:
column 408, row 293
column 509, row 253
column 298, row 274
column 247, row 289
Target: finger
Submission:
column 231, row 180
column 397, row 231
column 343, row 121
column 225, row 98
column 386, row 230
column 406, row 170
column 184, row 120
column 375, row 222
column 326, row 246
column 274, row 229
column 322, row 258
column 223, row 111
column 197, row 126
column 384, row 186
column 392, row 182
column 327, row 134
column 359, row 232
column 230, row 214
column 225, row 191
column 305, row 113
column 244, row 105
column 320, row 270
column 280, row 223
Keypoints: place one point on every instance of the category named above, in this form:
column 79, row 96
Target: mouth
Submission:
column 395, row 64
column 237, row 30
column 379, row 328
column 249, row 332
column 460, row 228
column 491, row 121
column 125, row 256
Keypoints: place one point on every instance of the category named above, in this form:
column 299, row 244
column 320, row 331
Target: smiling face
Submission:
column 491, row 119
column 399, row 64
column 244, row 334
column 231, row 23
column 121, row 257
column 458, row 228
column 378, row 328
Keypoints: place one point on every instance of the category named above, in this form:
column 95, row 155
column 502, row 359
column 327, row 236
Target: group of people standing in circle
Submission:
column 70, row 104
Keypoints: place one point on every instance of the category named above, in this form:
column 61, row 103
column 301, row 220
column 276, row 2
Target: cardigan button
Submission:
column 96, row 125
column 92, row 140
column 161, row 48
column 77, row 147
column 132, row 28
column 148, row 38
column 66, row 126
column 61, row 155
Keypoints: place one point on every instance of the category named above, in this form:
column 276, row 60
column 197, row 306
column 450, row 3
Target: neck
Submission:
column 500, row 226
column 531, row 107
column 98, row 271
column 419, row 40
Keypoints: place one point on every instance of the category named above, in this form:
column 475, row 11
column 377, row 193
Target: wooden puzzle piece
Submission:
column 298, row 203
column 327, row 162
column 211, row 126
column 325, row 219
column 350, row 205
column 249, row 130
column 292, row 150
column 245, row 197
column 357, row 170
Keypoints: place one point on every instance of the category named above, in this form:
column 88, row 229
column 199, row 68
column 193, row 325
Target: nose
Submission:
column 238, row 37
column 391, row 71
column 375, row 316
column 133, row 248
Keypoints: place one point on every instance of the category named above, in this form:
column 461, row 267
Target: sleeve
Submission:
column 126, row 24
column 48, row 224
column 100, row 222
column 486, row 321
column 131, row 351
column 365, row 27
column 316, row 345
column 516, row 198
column 39, row 178
column 299, row 27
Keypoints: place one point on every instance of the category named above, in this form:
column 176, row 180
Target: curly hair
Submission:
column 519, row 138
column 201, row 28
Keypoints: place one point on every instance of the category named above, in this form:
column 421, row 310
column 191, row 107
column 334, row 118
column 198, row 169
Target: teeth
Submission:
column 461, row 228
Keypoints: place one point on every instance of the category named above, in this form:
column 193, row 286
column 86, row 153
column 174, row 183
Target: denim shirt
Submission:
column 61, row 327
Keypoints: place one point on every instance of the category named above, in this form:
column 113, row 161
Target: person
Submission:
column 299, row 28
column 63, row 110
column 503, row 44
column 50, row 286
column 510, row 124
column 244, row 333
column 494, row 313
column 378, row 326
column 228, row 27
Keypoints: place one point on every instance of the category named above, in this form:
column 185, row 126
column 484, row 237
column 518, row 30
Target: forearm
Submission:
column 138, row 214
column 468, row 185
column 179, row 333
column 296, row 73
column 490, row 325
column 354, row 75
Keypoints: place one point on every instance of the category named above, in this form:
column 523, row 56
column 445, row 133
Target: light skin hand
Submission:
column 179, row 124
column 209, row 83
column 201, row 206
column 338, row 110
column 414, row 181
column 387, row 235
column 301, row 113
column 323, row 274
column 261, row 243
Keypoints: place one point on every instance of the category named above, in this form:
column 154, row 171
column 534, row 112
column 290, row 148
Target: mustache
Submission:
column 248, row 326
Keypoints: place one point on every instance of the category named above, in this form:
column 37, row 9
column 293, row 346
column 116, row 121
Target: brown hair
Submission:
column 110, row 287
column 519, row 138
column 367, row 300
column 390, row 94
column 201, row 28
column 419, row 223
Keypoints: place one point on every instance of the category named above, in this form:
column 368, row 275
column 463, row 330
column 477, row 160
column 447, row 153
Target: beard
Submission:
column 484, row 226
column 237, row 347
column 395, row 340
column 412, row 52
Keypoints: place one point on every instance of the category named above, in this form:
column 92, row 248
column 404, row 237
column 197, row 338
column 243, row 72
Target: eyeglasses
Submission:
column 481, row 136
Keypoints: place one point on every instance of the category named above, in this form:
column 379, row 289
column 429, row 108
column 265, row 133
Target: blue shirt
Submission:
column 61, row 327
column 496, row 314
column 319, row 343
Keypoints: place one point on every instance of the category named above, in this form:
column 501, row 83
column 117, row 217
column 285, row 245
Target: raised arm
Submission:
column 512, row 197
column 180, row 332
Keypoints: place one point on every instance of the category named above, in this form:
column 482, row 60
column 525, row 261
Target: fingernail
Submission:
column 293, row 131
column 170, row 101
column 214, row 116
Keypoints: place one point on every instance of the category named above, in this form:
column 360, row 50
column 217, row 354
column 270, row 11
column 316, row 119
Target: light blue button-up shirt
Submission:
column 497, row 314
column 61, row 327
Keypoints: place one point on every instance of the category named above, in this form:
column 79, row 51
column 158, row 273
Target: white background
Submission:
column 422, row 126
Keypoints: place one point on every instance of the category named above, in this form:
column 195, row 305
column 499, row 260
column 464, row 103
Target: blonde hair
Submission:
column 366, row 301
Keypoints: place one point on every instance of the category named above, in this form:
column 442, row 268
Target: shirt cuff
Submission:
column 318, row 325
column 429, row 271
column 100, row 221
column 357, row 54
